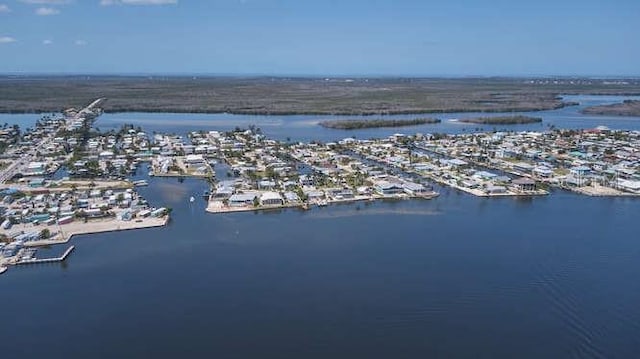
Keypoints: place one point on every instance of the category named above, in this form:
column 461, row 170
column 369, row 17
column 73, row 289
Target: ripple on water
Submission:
column 554, row 281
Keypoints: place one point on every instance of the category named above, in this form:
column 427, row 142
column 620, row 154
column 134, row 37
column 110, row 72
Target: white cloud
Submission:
column 80, row 43
column 47, row 11
column 6, row 39
column 138, row 2
column 46, row 2
column 4, row 8
column 47, row 42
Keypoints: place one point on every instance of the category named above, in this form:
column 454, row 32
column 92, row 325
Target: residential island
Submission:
column 42, row 208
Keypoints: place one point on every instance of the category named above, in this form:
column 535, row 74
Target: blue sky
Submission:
column 329, row 37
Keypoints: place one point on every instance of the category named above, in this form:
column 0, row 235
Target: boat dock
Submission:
column 48, row 260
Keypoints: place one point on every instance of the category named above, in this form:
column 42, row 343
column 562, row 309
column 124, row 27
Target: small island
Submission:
column 626, row 108
column 375, row 123
column 502, row 120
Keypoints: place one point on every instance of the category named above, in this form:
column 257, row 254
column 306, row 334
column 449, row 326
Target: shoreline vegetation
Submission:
column 297, row 96
column 502, row 120
column 629, row 108
column 356, row 124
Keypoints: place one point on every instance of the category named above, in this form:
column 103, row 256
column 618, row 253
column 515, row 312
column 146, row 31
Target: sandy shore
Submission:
column 601, row 191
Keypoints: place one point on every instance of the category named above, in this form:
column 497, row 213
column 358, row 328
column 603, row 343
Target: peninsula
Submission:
column 626, row 108
column 375, row 123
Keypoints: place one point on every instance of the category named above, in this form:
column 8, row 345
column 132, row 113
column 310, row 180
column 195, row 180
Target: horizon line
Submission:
column 318, row 76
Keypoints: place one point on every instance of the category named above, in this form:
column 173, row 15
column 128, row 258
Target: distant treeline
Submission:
column 295, row 96
column 375, row 123
column 502, row 120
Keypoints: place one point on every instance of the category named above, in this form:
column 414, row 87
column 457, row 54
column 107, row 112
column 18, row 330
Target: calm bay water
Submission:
column 457, row 276
column 306, row 128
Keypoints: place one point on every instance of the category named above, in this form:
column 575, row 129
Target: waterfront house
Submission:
column 388, row 188
column 291, row 197
column 629, row 185
column 313, row 194
column 241, row 199
column 493, row 189
column 524, row 184
column 271, row 199
column 413, row 188
column 341, row 193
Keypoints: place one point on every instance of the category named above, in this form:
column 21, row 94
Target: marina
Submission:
column 46, row 260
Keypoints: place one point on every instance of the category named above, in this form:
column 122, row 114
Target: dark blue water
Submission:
column 457, row 276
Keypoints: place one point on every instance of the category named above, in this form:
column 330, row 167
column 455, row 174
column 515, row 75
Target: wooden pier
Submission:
column 48, row 260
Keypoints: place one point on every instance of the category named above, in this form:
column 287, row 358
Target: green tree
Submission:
column 45, row 233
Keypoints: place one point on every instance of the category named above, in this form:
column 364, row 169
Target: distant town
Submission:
column 63, row 177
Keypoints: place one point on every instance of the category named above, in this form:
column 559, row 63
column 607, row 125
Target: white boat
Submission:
column 3, row 269
column 140, row 183
column 191, row 199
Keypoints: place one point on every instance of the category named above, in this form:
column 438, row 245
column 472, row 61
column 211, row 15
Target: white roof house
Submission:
column 194, row 159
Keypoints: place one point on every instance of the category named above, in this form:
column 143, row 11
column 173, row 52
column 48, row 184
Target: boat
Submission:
column 140, row 183
column 322, row 203
column 28, row 254
column 3, row 269
column 191, row 199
